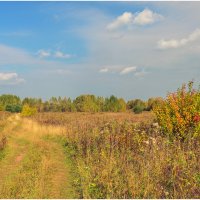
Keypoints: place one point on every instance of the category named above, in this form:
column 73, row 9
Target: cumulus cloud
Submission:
column 127, row 70
column 59, row 54
column 43, row 53
column 146, row 17
column 175, row 43
column 124, row 19
column 10, row 78
column 140, row 18
column 103, row 70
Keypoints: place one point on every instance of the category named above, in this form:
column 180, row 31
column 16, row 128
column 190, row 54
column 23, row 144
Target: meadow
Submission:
column 123, row 155
column 153, row 154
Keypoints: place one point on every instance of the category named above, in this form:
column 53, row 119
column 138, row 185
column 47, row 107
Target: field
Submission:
column 99, row 100
column 101, row 155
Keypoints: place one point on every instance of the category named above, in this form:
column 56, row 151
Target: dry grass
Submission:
column 112, row 155
column 54, row 118
column 3, row 140
column 117, row 157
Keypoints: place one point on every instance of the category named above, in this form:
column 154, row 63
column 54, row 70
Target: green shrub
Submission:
column 138, row 109
column 13, row 108
column 28, row 111
column 137, row 105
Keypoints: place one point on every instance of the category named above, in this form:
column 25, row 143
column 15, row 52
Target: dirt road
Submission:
column 35, row 162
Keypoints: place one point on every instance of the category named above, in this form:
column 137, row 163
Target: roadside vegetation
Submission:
column 3, row 138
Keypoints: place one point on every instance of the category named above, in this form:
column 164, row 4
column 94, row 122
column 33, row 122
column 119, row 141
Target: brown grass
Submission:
column 118, row 157
column 112, row 155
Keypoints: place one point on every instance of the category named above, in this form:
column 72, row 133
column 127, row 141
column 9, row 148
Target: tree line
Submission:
column 82, row 103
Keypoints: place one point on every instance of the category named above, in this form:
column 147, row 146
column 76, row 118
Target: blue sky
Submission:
column 129, row 49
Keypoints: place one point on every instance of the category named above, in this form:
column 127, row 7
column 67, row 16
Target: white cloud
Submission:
column 59, row 54
column 18, row 57
column 7, row 76
column 137, row 46
column 140, row 18
column 103, row 70
column 128, row 70
column 10, row 78
column 175, row 43
column 43, row 53
column 124, row 19
column 146, row 17
column 118, row 69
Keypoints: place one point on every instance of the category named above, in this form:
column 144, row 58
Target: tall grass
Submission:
column 3, row 139
column 117, row 158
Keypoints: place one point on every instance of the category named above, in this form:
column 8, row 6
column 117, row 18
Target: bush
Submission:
column 1, row 107
column 137, row 105
column 179, row 114
column 138, row 109
column 28, row 111
column 13, row 108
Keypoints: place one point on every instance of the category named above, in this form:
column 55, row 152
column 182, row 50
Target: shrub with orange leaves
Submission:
column 179, row 113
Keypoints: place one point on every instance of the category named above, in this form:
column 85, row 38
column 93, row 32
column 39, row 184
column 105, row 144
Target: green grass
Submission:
column 35, row 165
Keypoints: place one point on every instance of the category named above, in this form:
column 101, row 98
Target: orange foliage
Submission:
column 179, row 114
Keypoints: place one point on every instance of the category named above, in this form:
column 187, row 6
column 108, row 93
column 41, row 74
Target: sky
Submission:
column 128, row 49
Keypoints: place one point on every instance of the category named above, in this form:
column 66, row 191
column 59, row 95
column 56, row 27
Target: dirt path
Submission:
column 35, row 163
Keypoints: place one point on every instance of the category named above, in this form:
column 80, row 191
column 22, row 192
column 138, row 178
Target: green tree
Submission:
column 152, row 102
column 9, row 101
column 13, row 108
column 137, row 105
column 34, row 102
column 86, row 103
column 122, row 103
column 114, row 104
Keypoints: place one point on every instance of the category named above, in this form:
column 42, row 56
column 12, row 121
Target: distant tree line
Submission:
column 83, row 103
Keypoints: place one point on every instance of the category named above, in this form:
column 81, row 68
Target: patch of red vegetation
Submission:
column 197, row 118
